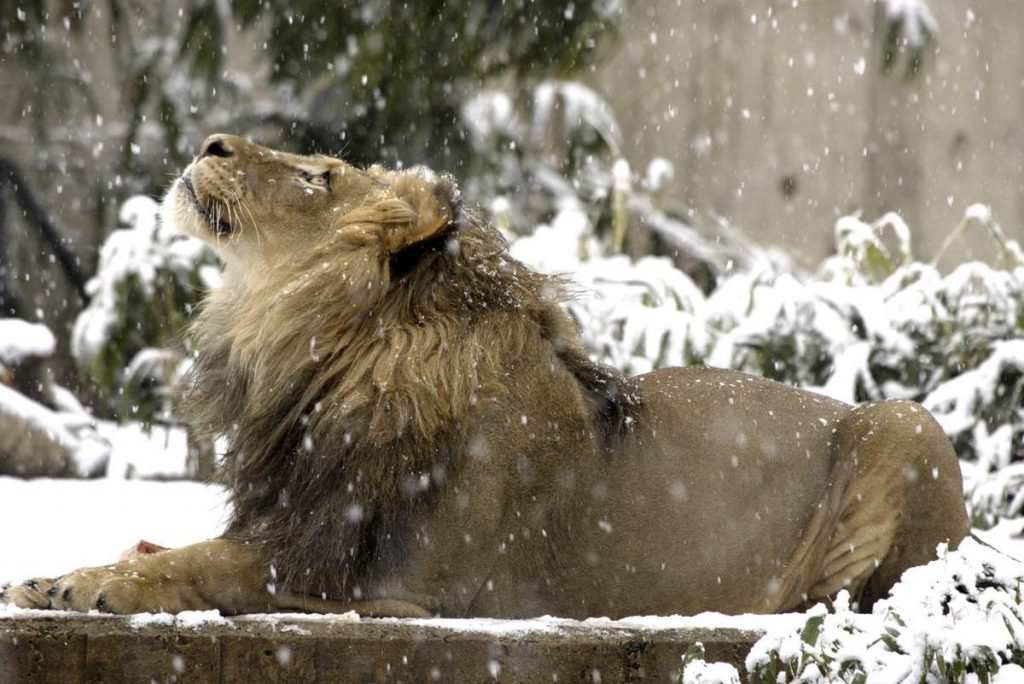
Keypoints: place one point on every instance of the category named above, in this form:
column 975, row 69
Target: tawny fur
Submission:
column 415, row 428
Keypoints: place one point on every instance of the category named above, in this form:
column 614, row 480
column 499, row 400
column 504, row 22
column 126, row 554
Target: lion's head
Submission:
column 259, row 207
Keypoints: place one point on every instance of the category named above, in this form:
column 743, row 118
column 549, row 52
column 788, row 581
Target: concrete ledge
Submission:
column 37, row 646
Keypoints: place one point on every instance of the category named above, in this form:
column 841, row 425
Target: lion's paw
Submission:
column 81, row 590
column 121, row 590
column 109, row 589
column 88, row 589
column 33, row 593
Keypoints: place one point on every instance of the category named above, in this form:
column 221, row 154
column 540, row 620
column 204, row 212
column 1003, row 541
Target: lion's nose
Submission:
column 215, row 146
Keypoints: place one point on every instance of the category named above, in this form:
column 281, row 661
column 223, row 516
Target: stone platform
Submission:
column 38, row 646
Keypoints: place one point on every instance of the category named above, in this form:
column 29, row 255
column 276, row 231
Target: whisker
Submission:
column 256, row 229
column 234, row 215
column 236, row 225
column 216, row 220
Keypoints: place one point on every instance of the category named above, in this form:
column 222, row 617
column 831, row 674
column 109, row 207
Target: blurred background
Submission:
column 826, row 192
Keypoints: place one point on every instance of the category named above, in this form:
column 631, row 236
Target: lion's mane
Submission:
column 345, row 383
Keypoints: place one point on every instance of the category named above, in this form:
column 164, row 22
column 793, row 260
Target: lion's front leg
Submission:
column 218, row 574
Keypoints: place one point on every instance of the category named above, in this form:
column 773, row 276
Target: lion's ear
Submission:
column 433, row 205
column 415, row 209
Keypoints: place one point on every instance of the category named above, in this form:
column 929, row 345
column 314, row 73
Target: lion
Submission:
column 415, row 429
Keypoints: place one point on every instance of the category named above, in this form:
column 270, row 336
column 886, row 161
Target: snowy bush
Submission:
column 20, row 340
column 44, row 431
column 909, row 27
column 875, row 325
column 560, row 143
column 636, row 315
column 959, row 618
column 127, row 341
column 697, row 671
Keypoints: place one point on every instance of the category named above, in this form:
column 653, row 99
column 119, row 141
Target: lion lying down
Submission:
column 416, row 430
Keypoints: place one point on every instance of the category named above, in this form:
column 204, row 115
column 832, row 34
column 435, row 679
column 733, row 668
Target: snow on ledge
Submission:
column 547, row 624
column 644, row 623
column 189, row 619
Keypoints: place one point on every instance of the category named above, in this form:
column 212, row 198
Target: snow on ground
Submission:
column 53, row 526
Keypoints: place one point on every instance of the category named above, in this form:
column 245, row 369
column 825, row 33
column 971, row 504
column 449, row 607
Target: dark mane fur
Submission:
column 345, row 398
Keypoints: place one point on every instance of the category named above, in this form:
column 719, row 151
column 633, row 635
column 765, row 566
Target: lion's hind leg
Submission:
column 860, row 541
column 903, row 496
column 843, row 542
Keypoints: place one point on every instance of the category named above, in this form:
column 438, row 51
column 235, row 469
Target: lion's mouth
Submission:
column 217, row 223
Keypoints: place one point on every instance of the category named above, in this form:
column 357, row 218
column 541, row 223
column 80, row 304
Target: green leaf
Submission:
column 812, row 629
column 891, row 643
column 693, row 653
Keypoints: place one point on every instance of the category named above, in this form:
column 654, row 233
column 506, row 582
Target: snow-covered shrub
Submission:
column 636, row 315
column 39, row 441
column 44, row 431
column 21, row 340
column 128, row 340
column 560, row 143
column 24, row 348
column 959, row 618
column 982, row 410
column 953, row 343
column 874, row 324
column 982, row 407
column 785, row 330
column 697, row 671
column 909, row 27
column 995, row 494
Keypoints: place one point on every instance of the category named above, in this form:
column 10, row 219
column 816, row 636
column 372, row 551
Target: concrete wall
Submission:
column 779, row 116
column 71, row 648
